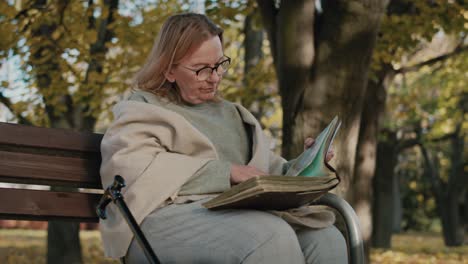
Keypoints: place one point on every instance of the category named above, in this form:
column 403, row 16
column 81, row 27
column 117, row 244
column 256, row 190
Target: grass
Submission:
column 29, row 246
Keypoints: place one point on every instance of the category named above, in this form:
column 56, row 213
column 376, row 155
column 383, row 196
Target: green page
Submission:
column 311, row 163
column 317, row 168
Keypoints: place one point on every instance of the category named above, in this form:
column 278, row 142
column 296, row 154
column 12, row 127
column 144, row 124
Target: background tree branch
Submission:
column 269, row 13
column 458, row 50
column 8, row 104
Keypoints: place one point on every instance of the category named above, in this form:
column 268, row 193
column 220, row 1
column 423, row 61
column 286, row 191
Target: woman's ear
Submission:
column 170, row 76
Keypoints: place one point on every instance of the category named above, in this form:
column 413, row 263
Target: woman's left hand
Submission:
column 309, row 142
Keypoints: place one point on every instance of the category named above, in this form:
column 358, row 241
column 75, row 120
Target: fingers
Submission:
column 240, row 173
column 254, row 171
column 330, row 155
column 308, row 142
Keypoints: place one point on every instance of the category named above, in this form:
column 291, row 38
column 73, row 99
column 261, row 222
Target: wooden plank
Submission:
column 47, row 205
column 22, row 135
column 49, row 170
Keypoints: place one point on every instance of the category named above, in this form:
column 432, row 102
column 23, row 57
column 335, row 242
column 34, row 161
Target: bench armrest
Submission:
column 355, row 243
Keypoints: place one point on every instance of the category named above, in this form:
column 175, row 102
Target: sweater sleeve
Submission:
column 216, row 178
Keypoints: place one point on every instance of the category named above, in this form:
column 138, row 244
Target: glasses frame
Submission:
column 213, row 69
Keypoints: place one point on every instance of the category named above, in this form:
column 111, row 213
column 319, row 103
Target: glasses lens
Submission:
column 204, row 74
column 223, row 67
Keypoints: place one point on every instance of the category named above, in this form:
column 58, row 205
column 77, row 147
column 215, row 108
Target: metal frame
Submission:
column 355, row 242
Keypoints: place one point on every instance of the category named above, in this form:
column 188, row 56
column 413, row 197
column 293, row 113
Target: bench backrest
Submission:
column 63, row 159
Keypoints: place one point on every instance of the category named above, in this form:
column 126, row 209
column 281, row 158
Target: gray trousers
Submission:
column 189, row 233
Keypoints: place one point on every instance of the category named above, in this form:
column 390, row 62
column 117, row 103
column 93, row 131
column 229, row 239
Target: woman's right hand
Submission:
column 240, row 173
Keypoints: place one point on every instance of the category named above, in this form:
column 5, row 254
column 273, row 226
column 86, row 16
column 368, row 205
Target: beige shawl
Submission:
column 156, row 151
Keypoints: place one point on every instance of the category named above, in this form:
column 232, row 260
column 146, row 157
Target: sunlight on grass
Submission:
column 420, row 248
column 29, row 246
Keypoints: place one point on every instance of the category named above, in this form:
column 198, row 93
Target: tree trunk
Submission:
column 397, row 205
column 384, row 185
column 345, row 37
column 85, row 118
column 63, row 243
column 253, row 41
column 291, row 33
column 295, row 58
column 373, row 110
column 454, row 229
column 63, row 237
column 322, row 65
column 465, row 210
column 446, row 196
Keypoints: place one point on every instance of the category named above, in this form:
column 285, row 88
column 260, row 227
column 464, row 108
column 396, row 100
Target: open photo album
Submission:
column 309, row 177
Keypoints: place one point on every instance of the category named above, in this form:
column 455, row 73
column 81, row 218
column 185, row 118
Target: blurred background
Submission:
column 396, row 72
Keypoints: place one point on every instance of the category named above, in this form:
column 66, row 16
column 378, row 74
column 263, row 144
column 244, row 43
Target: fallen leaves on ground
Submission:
column 29, row 246
column 420, row 248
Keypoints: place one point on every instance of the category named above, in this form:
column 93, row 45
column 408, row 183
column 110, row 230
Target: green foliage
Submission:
column 63, row 52
column 410, row 24
column 8, row 39
column 428, row 102
column 419, row 212
column 423, row 101
column 72, row 65
column 229, row 12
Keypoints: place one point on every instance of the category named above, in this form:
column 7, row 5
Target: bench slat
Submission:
column 49, row 170
column 25, row 204
column 22, row 135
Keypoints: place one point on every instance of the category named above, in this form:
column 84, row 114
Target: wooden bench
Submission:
column 52, row 157
column 67, row 160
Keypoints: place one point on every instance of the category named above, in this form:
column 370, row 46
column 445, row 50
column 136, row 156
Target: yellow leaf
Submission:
column 56, row 35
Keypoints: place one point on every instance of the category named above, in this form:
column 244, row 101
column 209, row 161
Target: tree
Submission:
column 405, row 30
column 441, row 121
column 322, row 59
column 76, row 55
column 62, row 111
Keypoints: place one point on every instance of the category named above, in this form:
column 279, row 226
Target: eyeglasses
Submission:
column 204, row 73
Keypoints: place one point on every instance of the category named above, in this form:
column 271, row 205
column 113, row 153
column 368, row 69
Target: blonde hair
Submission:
column 179, row 35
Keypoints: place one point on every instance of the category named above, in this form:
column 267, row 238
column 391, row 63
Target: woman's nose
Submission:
column 214, row 77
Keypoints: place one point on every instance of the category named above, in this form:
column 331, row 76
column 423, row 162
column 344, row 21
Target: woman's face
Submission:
column 191, row 89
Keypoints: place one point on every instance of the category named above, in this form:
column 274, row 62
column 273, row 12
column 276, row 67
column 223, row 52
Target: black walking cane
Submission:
column 113, row 194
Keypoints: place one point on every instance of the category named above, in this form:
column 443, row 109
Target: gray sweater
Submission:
column 221, row 123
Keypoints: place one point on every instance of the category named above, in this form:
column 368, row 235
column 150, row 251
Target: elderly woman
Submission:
column 177, row 143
